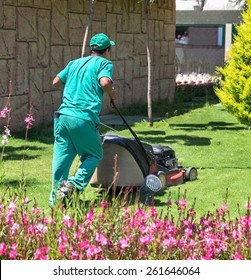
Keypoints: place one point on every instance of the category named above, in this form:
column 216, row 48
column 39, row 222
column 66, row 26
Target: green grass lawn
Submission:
column 207, row 138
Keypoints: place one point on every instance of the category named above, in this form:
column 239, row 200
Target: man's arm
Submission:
column 106, row 85
column 56, row 80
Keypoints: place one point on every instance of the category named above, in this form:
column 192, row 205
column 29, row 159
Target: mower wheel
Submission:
column 163, row 180
column 191, row 174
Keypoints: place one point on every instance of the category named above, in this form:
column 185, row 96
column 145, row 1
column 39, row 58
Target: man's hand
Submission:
column 56, row 80
column 114, row 96
column 114, row 93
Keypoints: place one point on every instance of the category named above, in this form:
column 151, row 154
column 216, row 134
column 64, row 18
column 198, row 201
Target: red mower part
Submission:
column 176, row 178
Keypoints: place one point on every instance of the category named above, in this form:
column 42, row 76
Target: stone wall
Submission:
column 38, row 38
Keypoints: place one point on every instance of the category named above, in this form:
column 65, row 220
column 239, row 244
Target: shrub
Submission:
column 235, row 87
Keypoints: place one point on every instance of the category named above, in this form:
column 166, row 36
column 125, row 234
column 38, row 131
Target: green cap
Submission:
column 100, row 42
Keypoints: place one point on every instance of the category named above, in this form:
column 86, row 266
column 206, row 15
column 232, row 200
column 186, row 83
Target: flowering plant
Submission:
column 195, row 79
column 116, row 231
column 189, row 86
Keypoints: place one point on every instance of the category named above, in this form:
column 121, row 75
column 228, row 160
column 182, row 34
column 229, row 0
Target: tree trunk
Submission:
column 149, row 66
column 88, row 26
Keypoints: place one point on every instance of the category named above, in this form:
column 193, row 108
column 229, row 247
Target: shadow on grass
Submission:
column 209, row 125
column 155, row 132
column 41, row 134
column 16, row 183
column 161, row 108
column 19, row 153
column 225, row 167
column 188, row 140
column 185, row 139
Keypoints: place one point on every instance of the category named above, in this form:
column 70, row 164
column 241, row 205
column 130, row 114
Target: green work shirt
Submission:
column 82, row 96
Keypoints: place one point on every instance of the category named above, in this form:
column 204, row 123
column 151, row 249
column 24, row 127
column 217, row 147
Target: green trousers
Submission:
column 74, row 136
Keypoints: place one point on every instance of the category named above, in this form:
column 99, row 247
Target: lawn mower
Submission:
column 152, row 168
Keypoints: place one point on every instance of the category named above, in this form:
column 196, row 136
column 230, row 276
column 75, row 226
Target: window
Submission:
column 200, row 35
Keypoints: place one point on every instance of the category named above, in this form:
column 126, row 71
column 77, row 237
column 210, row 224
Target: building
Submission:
column 204, row 33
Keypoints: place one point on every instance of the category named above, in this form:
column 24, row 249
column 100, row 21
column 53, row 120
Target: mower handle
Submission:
column 148, row 156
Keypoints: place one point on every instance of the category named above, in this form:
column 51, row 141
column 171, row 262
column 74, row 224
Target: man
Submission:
column 76, row 124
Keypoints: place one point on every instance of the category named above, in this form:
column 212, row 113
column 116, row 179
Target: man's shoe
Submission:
column 65, row 190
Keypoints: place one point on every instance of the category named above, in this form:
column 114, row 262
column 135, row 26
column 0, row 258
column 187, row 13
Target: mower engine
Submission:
column 165, row 156
column 169, row 171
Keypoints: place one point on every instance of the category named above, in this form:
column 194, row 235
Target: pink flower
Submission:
column 248, row 205
column 5, row 136
column 101, row 217
column 101, row 239
column 169, row 202
column 139, row 218
column 42, row 253
column 146, row 239
column 77, row 235
column 45, row 220
column 10, row 212
column 155, row 225
column 5, row 140
column 236, row 256
column 124, row 243
column 40, row 229
column 25, row 219
column 67, row 221
column 171, row 229
column 25, row 201
column 4, row 112
column 142, row 253
column 187, row 223
column 153, row 212
column 62, row 237
column 83, row 245
column 3, row 249
column 36, row 211
column 29, row 119
column 32, row 229
column 126, row 212
column 206, row 258
column 103, row 204
column 74, row 255
column 192, row 213
column 183, row 204
column 62, row 248
column 90, row 216
column 140, row 213
column 191, row 258
column 63, row 241
column 169, row 242
column 222, row 210
column 14, row 228
column 13, row 253
column 12, row 206
column 188, row 232
column 92, row 251
column 7, row 131
column 237, row 235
